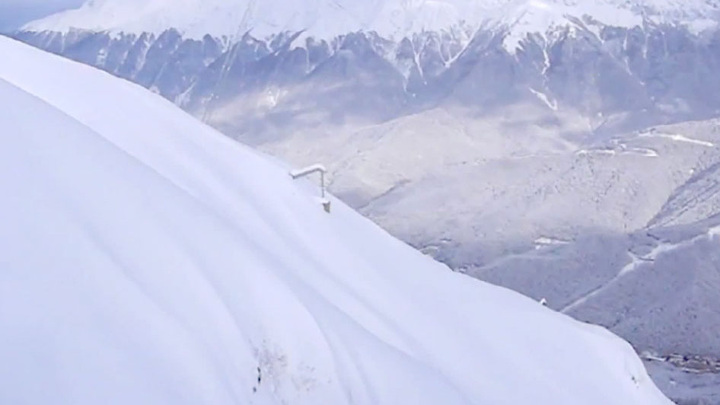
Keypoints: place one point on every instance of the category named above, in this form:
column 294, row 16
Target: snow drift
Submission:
column 147, row 259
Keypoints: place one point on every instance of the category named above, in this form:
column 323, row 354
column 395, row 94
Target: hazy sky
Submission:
column 14, row 13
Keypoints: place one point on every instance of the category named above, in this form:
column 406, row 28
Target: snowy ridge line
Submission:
column 394, row 19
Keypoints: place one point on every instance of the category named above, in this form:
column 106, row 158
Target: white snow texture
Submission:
column 147, row 259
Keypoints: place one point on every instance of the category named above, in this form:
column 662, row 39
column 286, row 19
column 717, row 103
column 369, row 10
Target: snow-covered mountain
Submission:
column 613, row 63
column 324, row 19
column 148, row 259
column 396, row 19
column 520, row 135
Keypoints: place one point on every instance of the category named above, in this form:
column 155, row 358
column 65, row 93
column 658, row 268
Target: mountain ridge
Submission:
column 324, row 19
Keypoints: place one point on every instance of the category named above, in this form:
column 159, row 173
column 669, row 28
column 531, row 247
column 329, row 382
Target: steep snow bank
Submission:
column 147, row 259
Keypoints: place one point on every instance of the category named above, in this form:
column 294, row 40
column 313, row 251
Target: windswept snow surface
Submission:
column 147, row 259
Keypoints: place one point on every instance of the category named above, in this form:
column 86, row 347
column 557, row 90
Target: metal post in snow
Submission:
column 296, row 174
column 322, row 185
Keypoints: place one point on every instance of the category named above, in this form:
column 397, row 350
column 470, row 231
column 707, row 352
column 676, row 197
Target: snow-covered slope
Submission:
column 516, row 151
column 147, row 259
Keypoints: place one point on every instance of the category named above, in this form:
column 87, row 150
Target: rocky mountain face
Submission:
column 613, row 77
